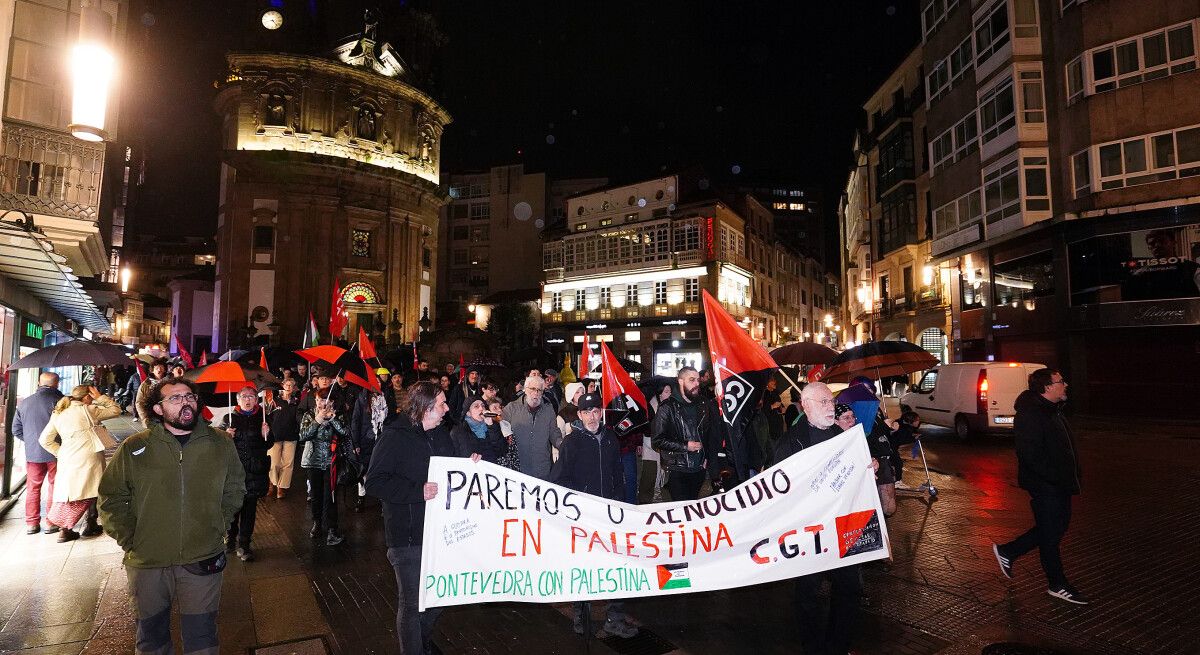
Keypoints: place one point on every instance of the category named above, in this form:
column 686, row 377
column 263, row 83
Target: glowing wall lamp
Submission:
column 92, row 68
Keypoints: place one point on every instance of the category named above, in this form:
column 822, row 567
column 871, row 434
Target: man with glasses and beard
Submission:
column 166, row 498
column 534, row 427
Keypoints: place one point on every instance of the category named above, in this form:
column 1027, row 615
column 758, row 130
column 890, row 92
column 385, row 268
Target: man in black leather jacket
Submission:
column 681, row 428
column 1048, row 468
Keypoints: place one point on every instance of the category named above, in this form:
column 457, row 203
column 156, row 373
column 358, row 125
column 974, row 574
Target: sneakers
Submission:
column 902, row 485
column 1068, row 593
column 51, row 529
column 33, row 529
column 1004, row 562
column 67, row 535
column 315, row 531
column 333, row 538
column 620, row 629
column 245, row 554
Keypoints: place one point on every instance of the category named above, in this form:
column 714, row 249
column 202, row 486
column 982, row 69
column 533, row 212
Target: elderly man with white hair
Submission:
column 818, row 425
column 534, row 428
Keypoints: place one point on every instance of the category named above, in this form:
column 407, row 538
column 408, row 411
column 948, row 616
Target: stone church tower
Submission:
column 329, row 171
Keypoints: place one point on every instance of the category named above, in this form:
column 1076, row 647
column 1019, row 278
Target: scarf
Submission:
column 478, row 427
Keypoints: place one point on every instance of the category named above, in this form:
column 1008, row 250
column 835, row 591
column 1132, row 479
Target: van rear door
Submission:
column 1006, row 382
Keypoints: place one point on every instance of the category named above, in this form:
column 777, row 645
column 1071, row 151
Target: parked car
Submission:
column 970, row 397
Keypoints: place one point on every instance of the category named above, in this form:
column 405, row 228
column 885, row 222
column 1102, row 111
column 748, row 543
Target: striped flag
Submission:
column 311, row 334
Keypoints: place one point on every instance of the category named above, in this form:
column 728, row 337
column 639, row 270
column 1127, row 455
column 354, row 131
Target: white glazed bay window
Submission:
column 1016, row 186
column 1145, row 57
column 1141, row 160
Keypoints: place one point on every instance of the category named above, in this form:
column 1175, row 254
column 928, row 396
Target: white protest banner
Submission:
column 492, row 534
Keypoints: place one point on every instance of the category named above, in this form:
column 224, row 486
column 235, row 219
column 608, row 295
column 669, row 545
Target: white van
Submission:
column 970, row 396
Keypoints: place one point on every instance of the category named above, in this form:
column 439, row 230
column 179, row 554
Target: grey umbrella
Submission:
column 76, row 353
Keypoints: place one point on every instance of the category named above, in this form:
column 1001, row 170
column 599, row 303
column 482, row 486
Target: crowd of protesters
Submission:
column 354, row 444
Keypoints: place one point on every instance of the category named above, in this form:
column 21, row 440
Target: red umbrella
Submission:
column 353, row 368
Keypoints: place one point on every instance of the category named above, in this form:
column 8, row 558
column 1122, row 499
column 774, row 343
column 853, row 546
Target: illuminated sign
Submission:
column 710, row 239
column 33, row 330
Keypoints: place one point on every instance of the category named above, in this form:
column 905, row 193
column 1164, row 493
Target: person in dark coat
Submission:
column 479, row 433
column 344, row 395
column 371, row 409
column 252, row 437
column 399, row 478
column 283, row 417
column 816, row 426
column 464, row 390
column 589, row 461
column 1048, row 468
column 32, row 415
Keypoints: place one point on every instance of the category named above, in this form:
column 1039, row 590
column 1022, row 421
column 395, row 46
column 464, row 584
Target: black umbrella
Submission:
column 76, row 353
column 803, row 353
column 879, row 359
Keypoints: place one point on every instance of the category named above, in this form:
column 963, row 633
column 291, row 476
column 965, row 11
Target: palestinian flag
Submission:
column 625, row 405
column 312, row 336
column 740, row 364
column 673, row 576
column 141, row 370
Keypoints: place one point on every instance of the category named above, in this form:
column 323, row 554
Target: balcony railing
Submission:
column 48, row 172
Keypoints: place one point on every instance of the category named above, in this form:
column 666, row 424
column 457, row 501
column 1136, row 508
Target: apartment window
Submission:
column 479, row 256
column 458, row 211
column 605, row 297
column 581, row 227
column 1025, row 22
column 966, row 136
column 479, row 233
column 942, row 150
column 779, row 205
column 580, row 299
column 1143, row 58
column 898, row 219
column 459, row 257
column 1037, row 186
column 1081, row 173
column 1002, row 191
column 1074, row 80
column 960, row 212
column 991, row 32
column 803, row 296
column 938, row 80
column 480, row 210
column 458, row 276
column 1151, row 158
column 895, row 158
column 1033, row 106
column 631, row 295
column 660, row 293
column 796, row 206
column 556, row 301
column 605, row 222
column 459, row 233
column 630, row 218
column 692, row 292
column 934, row 13
column 997, row 112
column 961, row 60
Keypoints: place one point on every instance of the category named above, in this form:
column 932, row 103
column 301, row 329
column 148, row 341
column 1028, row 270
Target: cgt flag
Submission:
column 621, row 396
column 338, row 320
column 741, row 366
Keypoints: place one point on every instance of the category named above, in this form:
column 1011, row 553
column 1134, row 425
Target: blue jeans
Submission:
column 629, row 461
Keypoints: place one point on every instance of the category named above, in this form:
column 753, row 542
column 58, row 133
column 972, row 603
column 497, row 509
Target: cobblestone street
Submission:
column 1131, row 548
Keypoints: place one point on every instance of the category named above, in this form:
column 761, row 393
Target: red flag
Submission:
column 740, row 364
column 370, row 382
column 620, row 393
column 585, row 357
column 140, row 369
column 262, row 359
column 366, row 349
column 337, row 313
column 415, row 355
column 815, row 373
column 203, row 358
column 183, row 353
column 461, row 373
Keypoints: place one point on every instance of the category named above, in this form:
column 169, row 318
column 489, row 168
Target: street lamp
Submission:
column 92, row 67
column 126, row 274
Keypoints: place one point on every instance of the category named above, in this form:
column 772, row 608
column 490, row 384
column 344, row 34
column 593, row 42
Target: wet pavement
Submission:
column 1132, row 548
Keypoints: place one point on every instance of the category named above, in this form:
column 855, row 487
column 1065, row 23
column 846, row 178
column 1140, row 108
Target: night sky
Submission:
column 621, row 89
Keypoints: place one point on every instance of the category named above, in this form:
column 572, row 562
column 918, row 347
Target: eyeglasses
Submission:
column 534, row 389
column 180, row 398
column 828, row 402
column 1062, row 382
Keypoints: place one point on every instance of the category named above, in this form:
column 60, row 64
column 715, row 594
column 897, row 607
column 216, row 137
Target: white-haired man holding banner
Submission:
column 818, row 425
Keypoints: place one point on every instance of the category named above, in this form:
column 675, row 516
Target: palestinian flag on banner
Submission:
column 673, row 576
column 740, row 364
column 311, row 335
column 625, row 405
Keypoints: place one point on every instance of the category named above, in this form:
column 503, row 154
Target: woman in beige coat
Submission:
column 80, row 458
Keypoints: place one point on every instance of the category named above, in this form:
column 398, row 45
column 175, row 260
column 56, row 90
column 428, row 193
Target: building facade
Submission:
column 52, row 222
column 631, row 267
column 504, row 210
column 330, row 173
column 899, row 293
column 1065, row 171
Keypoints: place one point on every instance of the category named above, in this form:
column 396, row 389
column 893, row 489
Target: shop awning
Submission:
column 29, row 259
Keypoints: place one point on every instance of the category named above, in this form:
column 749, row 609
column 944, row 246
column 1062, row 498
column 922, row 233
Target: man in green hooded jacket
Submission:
column 167, row 498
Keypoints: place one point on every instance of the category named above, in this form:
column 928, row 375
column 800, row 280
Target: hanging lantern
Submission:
column 92, row 67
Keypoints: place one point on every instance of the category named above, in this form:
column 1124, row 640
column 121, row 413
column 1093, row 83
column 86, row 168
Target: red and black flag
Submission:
column 624, row 404
column 740, row 364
